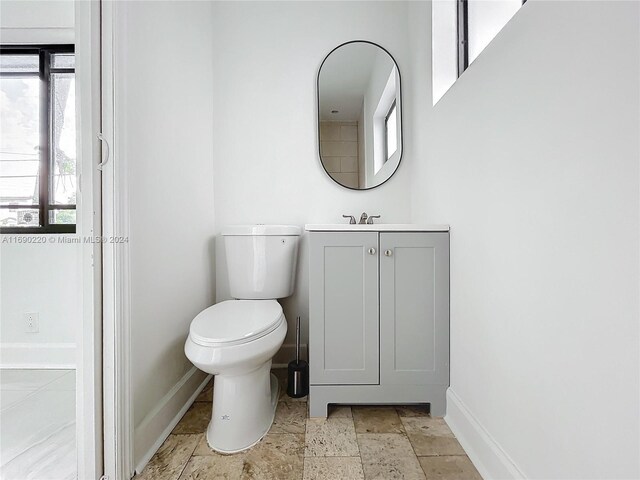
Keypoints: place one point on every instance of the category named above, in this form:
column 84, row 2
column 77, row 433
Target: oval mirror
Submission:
column 359, row 115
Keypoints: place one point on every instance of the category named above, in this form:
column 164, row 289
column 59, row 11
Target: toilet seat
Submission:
column 234, row 322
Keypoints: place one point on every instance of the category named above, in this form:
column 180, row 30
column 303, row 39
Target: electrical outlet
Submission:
column 31, row 322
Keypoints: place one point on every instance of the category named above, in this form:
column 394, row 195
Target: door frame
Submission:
column 89, row 405
column 118, row 427
column 104, row 430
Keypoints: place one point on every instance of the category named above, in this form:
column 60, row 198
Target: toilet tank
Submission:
column 261, row 260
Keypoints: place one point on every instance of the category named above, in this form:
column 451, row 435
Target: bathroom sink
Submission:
column 376, row 227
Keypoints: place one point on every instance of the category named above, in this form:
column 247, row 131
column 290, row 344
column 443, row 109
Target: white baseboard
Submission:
column 287, row 353
column 158, row 424
column 491, row 461
column 38, row 355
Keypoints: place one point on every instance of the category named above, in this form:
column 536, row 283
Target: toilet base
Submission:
column 244, row 407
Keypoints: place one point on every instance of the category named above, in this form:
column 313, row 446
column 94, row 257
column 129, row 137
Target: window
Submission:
column 37, row 139
column 390, row 132
column 460, row 31
column 478, row 23
column 385, row 128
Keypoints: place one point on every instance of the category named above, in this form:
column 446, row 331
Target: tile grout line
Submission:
column 412, row 447
column 188, row 459
column 304, row 437
column 427, row 456
column 357, row 441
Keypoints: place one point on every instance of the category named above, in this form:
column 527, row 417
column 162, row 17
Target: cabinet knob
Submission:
column 372, row 251
column 388, row 253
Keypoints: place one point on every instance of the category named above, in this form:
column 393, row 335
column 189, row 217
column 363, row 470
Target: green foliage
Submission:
column 66, row 217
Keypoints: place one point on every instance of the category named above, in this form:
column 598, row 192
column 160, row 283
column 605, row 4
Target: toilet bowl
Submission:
column 235, row 340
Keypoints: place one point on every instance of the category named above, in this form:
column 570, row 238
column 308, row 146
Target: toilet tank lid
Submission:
column 261, row 230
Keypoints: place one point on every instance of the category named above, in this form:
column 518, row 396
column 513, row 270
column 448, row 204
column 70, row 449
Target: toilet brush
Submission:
column 298, row 378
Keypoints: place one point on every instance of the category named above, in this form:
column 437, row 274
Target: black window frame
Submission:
column 386, row 130
column 45, row 70
column 463, row 36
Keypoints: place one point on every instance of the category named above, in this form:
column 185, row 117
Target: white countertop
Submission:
column 376, row 227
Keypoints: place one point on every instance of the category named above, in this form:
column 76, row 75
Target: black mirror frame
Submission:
column 401, row 113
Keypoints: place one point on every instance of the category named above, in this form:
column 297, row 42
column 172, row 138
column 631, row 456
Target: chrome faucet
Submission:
column 364, row 219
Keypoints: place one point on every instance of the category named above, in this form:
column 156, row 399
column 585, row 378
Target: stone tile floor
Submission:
column 359, row 443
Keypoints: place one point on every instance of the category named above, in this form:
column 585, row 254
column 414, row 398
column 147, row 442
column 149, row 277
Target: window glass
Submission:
column 62, row 217
column 19, row 217
column 63, row 139
column 63, row 60
column 19, row 63
column 19, row 145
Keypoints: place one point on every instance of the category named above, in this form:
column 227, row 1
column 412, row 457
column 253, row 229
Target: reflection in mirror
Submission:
column 360, row 115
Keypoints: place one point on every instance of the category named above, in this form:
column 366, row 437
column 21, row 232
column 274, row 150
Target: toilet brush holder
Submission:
column 298, row 374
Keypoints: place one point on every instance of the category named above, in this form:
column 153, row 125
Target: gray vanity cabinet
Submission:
column 414, row 308
column 344, row 287
column 378, row 318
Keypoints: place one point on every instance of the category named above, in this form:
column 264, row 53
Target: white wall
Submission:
column 486, row 19
column 164, row 86
column 266, row 59
column 36, row 21
column 38, row 278
column 444, row 46
column 533, row 160
column 42, row 278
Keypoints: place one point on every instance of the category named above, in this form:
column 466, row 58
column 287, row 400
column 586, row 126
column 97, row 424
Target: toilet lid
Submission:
column 235, row 321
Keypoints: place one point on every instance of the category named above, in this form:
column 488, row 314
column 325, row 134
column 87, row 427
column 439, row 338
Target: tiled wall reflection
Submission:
column 339, row 150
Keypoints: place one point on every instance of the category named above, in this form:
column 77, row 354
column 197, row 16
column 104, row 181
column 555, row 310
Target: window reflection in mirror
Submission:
column 360, row 111
column 390, row 133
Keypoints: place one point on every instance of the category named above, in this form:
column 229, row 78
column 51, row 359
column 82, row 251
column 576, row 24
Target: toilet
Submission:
column 235, row 340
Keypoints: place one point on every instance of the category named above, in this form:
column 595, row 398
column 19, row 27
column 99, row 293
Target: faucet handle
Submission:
column 352, row 220
column 370, row 219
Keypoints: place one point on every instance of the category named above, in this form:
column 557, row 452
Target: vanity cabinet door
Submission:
column 343, row 308
column 414, row 308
